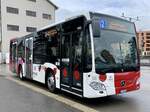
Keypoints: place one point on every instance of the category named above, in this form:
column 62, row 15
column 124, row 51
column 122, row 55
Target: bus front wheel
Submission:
column 50, row 81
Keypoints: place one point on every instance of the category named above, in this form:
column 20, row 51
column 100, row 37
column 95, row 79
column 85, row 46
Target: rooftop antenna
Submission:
column 130, row 18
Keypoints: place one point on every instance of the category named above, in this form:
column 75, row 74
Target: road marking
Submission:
column 66, row 101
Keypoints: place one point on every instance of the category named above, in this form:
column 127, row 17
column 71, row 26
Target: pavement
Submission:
column 28, row 96
column 17, row 98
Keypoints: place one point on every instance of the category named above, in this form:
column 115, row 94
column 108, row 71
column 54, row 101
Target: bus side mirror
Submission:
column 88, row 23
column 95, row 26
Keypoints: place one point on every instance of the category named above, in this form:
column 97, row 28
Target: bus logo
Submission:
column 123, row 83
column 102, row 23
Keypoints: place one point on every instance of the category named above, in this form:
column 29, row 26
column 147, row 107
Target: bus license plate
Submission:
column 123, row 91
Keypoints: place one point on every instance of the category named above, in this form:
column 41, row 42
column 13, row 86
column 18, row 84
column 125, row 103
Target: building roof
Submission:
column 56, row 7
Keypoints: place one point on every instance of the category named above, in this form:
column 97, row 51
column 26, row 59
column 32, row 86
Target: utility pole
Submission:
column 130, row 18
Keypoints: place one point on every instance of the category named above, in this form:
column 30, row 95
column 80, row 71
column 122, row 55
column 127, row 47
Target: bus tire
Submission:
column 21, row 73
column 50, row 82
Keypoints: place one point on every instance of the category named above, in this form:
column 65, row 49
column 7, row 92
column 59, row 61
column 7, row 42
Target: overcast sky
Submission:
column 132, row 8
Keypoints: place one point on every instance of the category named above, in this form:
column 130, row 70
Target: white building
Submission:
column 20, row 17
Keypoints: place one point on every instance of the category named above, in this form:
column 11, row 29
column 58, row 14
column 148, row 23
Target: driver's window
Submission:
column 87, row 65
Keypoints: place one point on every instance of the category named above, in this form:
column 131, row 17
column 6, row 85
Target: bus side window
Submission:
column 21, row 50
column 39, row 51
column 52, row 50
column 13, row 52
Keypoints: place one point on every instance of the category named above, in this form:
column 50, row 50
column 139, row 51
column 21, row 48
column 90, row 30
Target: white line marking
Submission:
column 66, row 101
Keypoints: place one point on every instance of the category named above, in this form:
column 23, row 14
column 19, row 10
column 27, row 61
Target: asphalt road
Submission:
column 18, row 98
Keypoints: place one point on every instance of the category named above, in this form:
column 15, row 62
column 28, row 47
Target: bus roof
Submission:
column 71, row 17
column 22, row 37
column 79, row 14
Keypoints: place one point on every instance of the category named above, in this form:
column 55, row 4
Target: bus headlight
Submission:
column 97, row 86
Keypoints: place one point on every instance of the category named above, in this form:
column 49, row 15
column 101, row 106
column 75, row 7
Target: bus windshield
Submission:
column 115, row 50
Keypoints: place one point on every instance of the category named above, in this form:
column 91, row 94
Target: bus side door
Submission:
column 14, row 57
column 28, row 57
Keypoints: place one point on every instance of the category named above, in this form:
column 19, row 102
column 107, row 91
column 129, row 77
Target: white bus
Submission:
column 90, row 55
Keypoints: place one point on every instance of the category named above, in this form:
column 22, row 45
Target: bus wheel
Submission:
column 50, row 81
column 21, row 73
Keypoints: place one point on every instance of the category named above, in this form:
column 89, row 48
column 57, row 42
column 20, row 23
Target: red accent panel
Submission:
column 102, row 77
column 76, row 75
column 130, row 79
column 65, row 72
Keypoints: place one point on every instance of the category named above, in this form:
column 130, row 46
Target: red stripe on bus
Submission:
column 126, row 81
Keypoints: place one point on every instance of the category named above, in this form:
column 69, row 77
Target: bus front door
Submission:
column 65, row 61
column 71, row 67
column 28, row 57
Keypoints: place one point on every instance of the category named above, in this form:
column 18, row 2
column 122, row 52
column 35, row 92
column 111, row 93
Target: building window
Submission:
column 147, row 41
column 148, row 53
column 31, row 29
column 147, row 33
column 32, row 0
column 12, row 10
column 148, row 37
column 147, row 45
column 31, row 13
column 147, row 49
column 47, row 16
column 12, row 27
